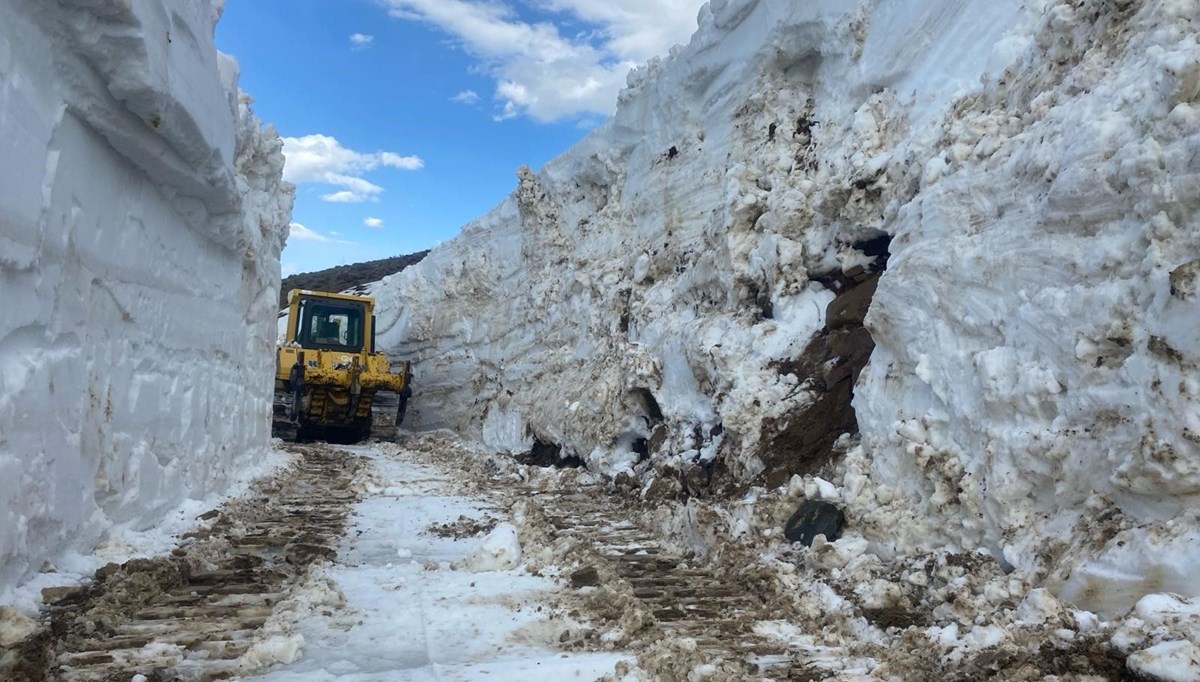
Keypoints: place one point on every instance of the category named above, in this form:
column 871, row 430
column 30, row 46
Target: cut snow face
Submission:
column 1032, row 374
column 657, row 297
column 143, row 216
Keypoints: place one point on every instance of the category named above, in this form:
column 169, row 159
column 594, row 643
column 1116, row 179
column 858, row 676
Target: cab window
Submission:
column 331, row 325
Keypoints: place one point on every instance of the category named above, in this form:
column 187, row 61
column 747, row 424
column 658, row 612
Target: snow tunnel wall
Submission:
column 661, row 292
column 1034, row 386
column 141, row 218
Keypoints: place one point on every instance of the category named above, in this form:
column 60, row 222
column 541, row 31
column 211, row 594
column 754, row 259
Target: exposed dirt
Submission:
column 464, row 527
column 201, row 612
column 344, row 277
column 829, row 366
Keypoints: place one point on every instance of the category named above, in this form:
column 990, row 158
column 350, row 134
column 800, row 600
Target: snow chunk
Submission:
column 1039, row 606
column 1168, row 662
column 275, row 649
column 500, row 551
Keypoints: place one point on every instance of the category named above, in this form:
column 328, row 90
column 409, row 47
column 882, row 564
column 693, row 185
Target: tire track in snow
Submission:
column 678, row 614
column 199, row 613
column 707, row 605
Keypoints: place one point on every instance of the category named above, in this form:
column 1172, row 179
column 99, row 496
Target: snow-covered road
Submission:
column 432, row 560
column 347, row 564
column 431, row 594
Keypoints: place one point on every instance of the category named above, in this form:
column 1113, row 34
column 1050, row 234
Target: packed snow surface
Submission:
column 412, row 597
column 645, row 299
column 141, row 219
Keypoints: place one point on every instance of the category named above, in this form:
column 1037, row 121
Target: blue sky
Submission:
column 404, row 119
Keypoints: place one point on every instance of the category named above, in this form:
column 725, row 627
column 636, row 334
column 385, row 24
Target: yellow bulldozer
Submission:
column 330, row 381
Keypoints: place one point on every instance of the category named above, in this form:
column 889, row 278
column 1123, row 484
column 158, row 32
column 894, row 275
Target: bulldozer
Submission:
column 330, row 382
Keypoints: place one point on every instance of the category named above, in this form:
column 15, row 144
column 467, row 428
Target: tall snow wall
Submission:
column 141, row 218
column 685, row 288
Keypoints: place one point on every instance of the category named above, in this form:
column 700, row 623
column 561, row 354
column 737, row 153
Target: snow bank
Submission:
column 656, row 286
column 1036, row 378
column 673, row 290
column 141, row 219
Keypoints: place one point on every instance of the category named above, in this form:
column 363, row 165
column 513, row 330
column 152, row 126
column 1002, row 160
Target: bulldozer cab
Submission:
column 324, row 323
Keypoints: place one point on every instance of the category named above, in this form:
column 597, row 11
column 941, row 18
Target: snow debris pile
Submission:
column 1010, row 188
column 141, row 217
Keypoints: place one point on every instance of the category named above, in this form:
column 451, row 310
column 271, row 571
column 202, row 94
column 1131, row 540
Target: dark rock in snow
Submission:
column 59, row 596
column 657, row 438
column 544, row 454
column 850, row 308
column 585, row 577
column 813, row 518
column 665, row 487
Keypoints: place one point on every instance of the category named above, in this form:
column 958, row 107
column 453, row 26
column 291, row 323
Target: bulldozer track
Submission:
column 193, row 615
column 383, row 427
column 695, row 600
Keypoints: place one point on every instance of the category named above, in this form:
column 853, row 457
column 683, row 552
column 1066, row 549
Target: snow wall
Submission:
column 683, row 289
column 141, row 218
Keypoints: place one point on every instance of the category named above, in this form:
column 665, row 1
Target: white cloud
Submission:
column 343, row 197
column 401, row 162
column 321, row 159
column 373, row 222
column 635, row 29
column 301, row 233
column 543, row 74
column 466, row 97
column 361, row 41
